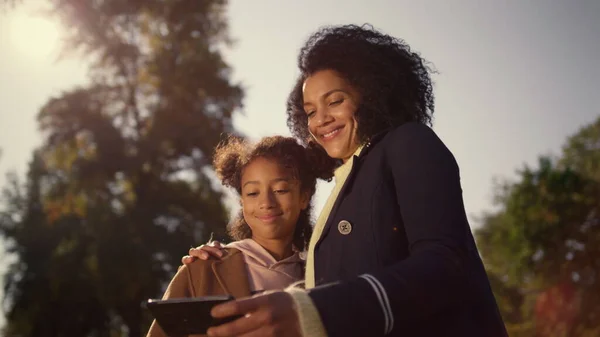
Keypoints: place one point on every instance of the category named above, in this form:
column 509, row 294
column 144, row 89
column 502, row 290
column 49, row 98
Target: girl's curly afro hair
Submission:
column 234, row 154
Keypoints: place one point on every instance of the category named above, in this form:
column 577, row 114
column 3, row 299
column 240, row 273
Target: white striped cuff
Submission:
column 383, row 301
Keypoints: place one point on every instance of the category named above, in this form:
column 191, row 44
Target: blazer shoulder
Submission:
column 412, row 130
column 411, row 137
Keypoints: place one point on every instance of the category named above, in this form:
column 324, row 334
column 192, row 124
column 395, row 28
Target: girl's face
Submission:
column 330, row 103
column 271, row 200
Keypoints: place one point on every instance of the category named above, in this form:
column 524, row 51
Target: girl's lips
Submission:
column 269, row 218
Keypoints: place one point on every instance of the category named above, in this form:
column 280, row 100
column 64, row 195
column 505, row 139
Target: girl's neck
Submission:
column 279, row 249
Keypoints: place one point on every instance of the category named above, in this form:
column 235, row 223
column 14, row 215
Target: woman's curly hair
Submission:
column 234, row 154
column 393, row 81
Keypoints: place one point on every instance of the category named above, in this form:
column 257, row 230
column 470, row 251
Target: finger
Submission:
column 270, row 331
column 214, row 251
column 216, row 244
column 240, row 327
column 206, row 251
column 199, row 253
column 267, row 322
column 261, row 318
column 260, row 332
column 187, row 259
column 238, row 307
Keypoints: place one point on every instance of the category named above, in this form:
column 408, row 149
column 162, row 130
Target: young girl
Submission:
column 275, row 184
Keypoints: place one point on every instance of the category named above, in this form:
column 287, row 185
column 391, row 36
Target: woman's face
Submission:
column 271, row 200
column 330, row 103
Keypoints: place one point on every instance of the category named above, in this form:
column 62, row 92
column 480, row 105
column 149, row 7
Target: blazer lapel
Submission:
column 348, row 182
column 231, row 274
column 338, row 200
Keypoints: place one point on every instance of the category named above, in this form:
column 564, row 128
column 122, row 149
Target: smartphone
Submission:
column 187, row 316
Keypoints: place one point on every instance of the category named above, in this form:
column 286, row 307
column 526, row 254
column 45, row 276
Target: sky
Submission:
column 515, row 78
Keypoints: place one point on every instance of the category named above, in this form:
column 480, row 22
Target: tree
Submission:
column 122, row 173
column 46, row 253
column 542, row 251
column 582, row 151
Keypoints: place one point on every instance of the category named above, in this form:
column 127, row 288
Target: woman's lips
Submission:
column 332, row 134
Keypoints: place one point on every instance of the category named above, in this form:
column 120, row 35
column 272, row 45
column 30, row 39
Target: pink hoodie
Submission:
column 266, row 273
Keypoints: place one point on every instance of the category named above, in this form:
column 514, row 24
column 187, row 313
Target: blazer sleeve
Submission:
column 179, row 287
column 434, row 276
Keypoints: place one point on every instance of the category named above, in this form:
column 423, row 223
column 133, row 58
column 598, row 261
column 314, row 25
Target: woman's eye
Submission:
column 336, row 102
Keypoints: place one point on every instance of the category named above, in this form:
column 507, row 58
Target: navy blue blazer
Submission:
column 397, row 256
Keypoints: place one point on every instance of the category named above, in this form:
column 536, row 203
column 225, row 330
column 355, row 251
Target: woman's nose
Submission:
column 322, row 117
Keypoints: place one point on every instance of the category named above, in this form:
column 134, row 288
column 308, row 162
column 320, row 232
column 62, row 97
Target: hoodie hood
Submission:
column 264, row 271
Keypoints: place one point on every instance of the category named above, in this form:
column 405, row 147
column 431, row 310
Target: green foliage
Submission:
column 119, row 186
column 542, row 249
column 582, row 151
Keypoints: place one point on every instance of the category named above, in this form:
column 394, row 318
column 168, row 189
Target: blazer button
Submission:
column 344, row 227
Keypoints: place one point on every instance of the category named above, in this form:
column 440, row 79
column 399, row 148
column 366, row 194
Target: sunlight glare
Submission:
column 35, row 36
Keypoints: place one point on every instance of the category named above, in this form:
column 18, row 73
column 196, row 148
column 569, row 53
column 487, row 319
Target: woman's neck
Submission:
column 279, row 249
column 354, row 152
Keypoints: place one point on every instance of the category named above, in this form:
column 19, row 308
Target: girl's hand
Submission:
column 204, row 252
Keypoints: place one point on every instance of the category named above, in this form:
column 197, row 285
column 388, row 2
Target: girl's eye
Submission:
column 310, row 113
column 252, row 194
column 281, row 191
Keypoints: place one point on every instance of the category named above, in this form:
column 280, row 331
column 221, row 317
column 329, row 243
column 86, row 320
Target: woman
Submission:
column 275, row 183
column 392, row 252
